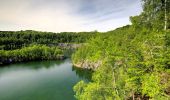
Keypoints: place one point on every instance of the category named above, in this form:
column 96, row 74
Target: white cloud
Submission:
column 63, row 15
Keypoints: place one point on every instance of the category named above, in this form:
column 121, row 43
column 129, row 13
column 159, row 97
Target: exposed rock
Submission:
column 88, row 64
column 70, row 45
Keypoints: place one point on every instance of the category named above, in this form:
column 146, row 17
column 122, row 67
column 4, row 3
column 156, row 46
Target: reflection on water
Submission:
column 85, row 74
column 46, row 80
column 36, row 64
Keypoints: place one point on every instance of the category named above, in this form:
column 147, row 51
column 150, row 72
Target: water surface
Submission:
column 45, row 80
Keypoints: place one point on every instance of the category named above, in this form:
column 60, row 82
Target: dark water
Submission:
column 45, row 80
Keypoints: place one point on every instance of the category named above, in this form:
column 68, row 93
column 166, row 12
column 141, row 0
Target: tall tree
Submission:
column 155, row 13
column 165, row 26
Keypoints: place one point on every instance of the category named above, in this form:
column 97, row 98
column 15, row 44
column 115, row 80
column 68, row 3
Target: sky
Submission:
column 66, row 15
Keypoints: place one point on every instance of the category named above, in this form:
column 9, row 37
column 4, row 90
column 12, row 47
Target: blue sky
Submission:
column 67, row 15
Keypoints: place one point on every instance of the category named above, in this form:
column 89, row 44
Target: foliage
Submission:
column 135, row 60
column 33, row 52
column 10, row 40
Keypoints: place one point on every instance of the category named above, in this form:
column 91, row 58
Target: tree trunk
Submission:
column 133, row 96
column 165, row 26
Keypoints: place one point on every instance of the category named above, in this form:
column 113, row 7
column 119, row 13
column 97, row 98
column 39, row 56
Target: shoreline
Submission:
column 2, row 64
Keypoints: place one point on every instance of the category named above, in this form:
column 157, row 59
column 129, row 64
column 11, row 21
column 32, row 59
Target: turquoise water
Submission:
column 45, row 80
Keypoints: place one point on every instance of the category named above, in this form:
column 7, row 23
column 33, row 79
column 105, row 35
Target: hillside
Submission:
column 132, row 62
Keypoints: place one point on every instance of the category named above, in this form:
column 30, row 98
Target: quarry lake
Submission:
column 42, row 80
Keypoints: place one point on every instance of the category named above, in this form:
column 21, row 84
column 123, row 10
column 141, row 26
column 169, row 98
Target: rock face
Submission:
column 69, row 45
column 88, row 65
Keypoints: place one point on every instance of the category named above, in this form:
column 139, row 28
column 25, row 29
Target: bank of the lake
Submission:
column 31, row 53
column 43, row 80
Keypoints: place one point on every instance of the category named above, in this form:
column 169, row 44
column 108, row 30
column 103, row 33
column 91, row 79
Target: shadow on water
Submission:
column 84, row 74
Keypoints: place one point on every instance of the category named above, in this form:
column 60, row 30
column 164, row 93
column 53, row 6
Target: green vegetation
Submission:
column 15, row 45
column 10, row 40
column 34, row 52
column 132, row 62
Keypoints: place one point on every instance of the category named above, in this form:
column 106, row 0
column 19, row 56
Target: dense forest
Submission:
column 131, row 62
column 31, row 53
column 10, row 40
column 29, row 45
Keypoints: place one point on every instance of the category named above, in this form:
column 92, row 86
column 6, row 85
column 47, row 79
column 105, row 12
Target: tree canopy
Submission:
column 135, row 60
